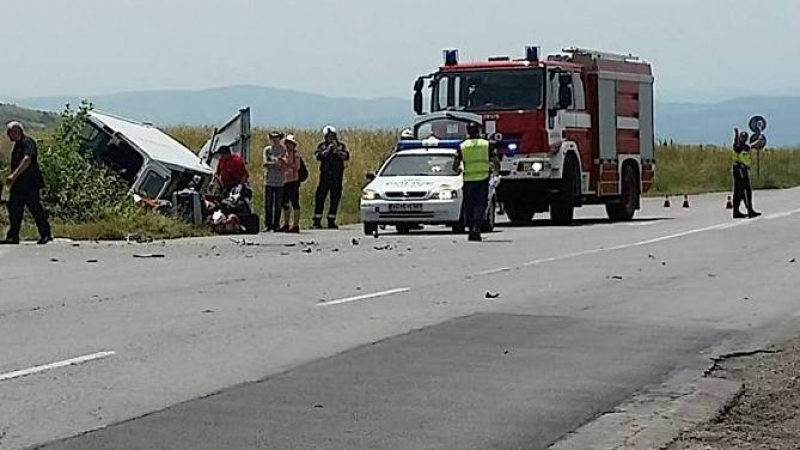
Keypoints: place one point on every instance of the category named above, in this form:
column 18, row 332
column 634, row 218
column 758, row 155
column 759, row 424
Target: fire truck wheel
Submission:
column 624, row 209
column 519, row 213
column 562, row 207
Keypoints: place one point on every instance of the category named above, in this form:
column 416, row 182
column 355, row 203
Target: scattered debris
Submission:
column 308, row 250
column 506, row 352
column 208, row 311
column 77, row 244
column 284, row 253
column 355, row 242
column 92, row 261
column 492, row 295
column 36, row 308
column 309, row 243
column 747, row 299
column 335, row 250
column 246, row 243
column 664, row 263
column 149, row 255
column 614, row 277
column 290, row 244
column 712, row 275
column 792, row 261
column 54, row 260
column 651, row 256
column 319, row 406
column 383, row 247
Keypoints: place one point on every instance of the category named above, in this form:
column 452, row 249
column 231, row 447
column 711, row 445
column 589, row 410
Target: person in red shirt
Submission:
column 231, row 169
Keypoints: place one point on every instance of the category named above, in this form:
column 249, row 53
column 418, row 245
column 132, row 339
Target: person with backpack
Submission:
column 295, row 174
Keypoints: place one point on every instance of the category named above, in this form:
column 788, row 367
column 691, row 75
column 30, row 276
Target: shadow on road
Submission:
column 545, row 223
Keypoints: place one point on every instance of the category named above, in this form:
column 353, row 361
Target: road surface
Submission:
column 393, row 343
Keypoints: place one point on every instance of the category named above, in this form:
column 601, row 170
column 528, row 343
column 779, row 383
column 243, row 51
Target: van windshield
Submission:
column 406, row 165
column 489, row 90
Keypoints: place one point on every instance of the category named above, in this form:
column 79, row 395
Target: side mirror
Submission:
column 370, row 176
column 418, row 102
column 552, row 112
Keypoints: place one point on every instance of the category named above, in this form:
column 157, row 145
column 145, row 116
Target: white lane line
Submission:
column 720, row 226
column 55, row 365
column 365, row 297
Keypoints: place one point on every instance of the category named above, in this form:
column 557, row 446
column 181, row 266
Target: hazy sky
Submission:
column 371, row 48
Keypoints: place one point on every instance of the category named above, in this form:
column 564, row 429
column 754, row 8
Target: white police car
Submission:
column 417, row 186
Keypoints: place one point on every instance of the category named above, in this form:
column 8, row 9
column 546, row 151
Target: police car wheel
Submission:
column 370, row 228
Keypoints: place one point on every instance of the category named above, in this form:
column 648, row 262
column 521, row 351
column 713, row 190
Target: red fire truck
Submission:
column 572, row 129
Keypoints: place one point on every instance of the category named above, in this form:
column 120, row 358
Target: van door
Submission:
column 153, row 182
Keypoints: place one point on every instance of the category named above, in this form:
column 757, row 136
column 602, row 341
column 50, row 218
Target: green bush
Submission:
column 76, row 188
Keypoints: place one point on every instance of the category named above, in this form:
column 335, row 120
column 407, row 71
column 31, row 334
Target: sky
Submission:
column 700, row 49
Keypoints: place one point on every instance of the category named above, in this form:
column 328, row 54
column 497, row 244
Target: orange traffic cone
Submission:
column 729, row 205
column 666, row 202
column 685, row 201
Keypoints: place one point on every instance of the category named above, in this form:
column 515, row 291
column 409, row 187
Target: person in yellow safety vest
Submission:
column 479, row 159
column 742, row 191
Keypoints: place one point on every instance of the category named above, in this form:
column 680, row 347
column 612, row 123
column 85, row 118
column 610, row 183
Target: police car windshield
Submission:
column 407, row 165
column 489, row 90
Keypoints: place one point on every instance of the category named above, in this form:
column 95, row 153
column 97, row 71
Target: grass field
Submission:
column 680, row 170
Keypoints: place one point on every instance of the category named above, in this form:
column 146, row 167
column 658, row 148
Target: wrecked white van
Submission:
column 154, row 164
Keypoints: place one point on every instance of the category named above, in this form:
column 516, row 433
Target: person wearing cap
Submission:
column 742, row 190
column 231, row 170
column 479, row 160
column 332, row 155
column 274, row 179
column 294, row 171
column 26, row 182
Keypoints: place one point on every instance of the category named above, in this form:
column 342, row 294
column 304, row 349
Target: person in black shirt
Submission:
column 332, row 155
column 26, row 182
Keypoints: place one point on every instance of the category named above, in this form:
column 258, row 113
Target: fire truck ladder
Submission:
column 600, row 55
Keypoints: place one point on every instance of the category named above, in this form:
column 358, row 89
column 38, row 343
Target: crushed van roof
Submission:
column 156, row 144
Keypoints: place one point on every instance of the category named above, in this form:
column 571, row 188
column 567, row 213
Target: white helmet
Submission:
column 329, row 129
column 407, row 134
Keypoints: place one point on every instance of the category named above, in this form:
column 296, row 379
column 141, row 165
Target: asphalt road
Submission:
column 270, row 342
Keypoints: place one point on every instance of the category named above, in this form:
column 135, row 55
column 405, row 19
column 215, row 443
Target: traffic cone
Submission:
column 666, row 202
column 729, row 205
column 685, row 201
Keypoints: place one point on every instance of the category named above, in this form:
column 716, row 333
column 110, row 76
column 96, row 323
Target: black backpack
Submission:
column 302, row 174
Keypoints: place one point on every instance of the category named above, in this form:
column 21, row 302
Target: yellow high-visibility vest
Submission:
column 477, row 164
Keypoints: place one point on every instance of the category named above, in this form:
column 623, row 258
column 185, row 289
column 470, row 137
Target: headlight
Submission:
column 537, row 167
column 369, row 194
column 445, row 192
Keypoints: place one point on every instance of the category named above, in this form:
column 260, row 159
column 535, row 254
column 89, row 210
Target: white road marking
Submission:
column 55, row 365
column 720, row 226
column 365, row 297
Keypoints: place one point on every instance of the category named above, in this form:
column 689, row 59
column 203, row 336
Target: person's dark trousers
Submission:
column 742, row 191
column 476, row 196
column 19, row 199
column 328, row 184
column 273, row 203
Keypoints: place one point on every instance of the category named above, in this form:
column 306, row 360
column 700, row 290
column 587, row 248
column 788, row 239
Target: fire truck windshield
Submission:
column 489, row 90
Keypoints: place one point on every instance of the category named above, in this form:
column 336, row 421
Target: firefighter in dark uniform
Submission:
column 479, row 159
column 332, row 155
column 26, row 182
column 742, row 190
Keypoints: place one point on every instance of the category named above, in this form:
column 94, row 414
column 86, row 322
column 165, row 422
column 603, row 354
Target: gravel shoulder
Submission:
column 766, row 413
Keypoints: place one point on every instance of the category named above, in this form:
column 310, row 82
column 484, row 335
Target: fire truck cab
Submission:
column 571, row 129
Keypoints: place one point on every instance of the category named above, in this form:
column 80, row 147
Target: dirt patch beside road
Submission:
column 766, row 414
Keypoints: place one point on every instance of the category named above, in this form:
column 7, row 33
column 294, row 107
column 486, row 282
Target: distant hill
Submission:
column 270, row 107
column 713, row 123
column 691, row 123
column 29, row 118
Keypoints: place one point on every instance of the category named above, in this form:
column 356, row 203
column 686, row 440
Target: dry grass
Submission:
column 680, row 170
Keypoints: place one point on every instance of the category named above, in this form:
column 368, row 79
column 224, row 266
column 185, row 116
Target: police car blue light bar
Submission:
column 429, row 143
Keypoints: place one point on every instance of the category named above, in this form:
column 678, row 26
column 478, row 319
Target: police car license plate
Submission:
column 405, row 207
